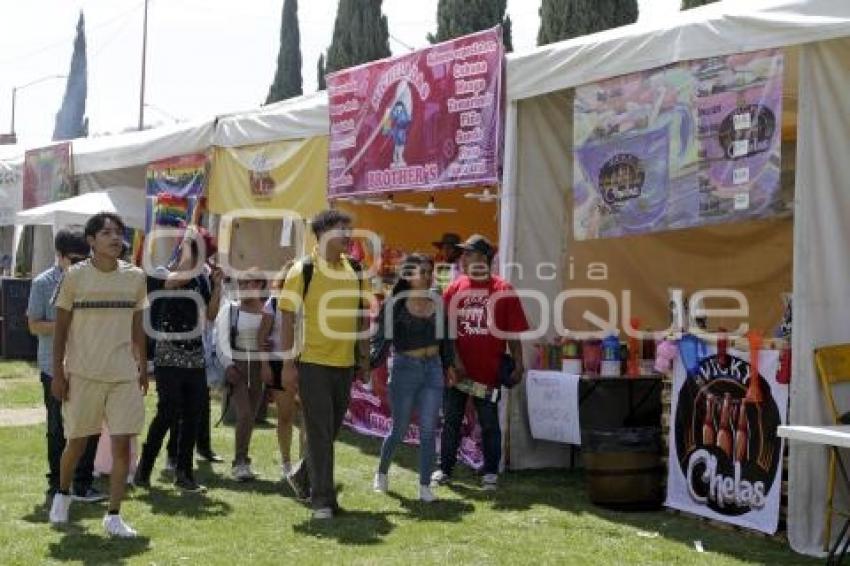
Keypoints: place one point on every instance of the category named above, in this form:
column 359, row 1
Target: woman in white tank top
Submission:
column 243, row 374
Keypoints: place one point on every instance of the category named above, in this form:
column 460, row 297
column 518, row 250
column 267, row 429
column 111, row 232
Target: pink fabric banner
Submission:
column 423, row 121
column 369, row 413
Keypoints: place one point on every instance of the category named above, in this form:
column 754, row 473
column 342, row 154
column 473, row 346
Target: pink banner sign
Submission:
column 428, row 120
column 369, row 413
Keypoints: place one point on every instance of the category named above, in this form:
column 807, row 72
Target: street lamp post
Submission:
column 15, row 95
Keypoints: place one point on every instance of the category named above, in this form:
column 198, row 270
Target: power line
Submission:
column 67, row 39
column 400, row 42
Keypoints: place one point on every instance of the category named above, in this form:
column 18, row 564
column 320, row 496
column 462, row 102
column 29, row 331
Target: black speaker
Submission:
column 17, row 342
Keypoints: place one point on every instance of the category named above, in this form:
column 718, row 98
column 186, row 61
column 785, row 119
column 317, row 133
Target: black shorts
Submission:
column 277, row 375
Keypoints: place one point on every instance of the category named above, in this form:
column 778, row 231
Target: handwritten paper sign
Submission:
column 553, row 406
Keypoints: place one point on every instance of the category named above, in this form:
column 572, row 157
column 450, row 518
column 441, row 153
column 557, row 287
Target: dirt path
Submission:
column 22, row 417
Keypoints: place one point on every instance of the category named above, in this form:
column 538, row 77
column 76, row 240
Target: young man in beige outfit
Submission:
column 96, row 372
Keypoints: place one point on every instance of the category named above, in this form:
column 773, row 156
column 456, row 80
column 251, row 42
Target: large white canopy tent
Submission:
column 128, row 202
column 538, row 176
column 121, row 160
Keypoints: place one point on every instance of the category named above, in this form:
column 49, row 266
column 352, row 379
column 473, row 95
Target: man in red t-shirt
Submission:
column 482, row 308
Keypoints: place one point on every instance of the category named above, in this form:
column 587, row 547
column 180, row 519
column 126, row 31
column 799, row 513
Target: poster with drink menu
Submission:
column 725, row 458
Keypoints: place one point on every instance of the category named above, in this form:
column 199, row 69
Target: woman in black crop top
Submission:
column 412, row 321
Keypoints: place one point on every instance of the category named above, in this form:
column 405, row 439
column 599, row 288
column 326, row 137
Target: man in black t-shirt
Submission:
column 179, row 300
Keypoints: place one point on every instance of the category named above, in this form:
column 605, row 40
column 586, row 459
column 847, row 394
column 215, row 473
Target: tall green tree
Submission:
column 688, row 4
column 287, row 78
column 461, row 17
column 71, row 121
column 360, row 35
column 564, row 19
column 320, row 73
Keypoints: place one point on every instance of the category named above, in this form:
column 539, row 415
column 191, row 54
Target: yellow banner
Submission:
column 286, row 175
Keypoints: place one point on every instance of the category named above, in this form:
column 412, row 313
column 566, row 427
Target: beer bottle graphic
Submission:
column 724, row 434
column 742, row 436
column 708, row 435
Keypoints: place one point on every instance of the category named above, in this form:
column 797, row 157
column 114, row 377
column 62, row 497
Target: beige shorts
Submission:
column 90, row 403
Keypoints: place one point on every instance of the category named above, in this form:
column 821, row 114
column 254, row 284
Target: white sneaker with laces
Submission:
column 426, row 495
column 59, row 509
column 323, row 514
column 116, row 527
column 381, row 483
column 490, row 482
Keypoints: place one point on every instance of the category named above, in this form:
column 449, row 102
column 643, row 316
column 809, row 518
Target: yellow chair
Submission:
column 833, row 367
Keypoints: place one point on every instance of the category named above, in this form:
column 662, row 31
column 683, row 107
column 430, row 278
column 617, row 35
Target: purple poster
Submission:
column 681, row 146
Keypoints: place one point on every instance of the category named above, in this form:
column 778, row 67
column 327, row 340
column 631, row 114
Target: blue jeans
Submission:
column 414, row 382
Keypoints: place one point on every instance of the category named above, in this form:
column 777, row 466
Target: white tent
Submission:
column 121, row 160
column 127, row 202
column 538, row 178
column 296, row 118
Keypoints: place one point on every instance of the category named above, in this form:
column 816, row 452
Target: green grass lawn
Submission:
column 19, row 385
column 541, row 517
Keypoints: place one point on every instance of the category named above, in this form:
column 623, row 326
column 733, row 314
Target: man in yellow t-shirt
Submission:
column 96, row 375
column 331, row 350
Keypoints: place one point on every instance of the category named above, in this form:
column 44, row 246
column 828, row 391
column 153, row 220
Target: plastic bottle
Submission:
column 610, row 366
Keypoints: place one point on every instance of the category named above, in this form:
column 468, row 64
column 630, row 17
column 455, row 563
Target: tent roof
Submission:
column 134, row 149
column 722, row 28
column 129, row 203
column 296, row 118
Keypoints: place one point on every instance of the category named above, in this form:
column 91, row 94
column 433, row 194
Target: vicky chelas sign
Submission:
column 725, row 458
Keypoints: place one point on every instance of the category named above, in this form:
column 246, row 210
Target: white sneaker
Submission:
column 439, row 477
column 116, row 527
column 381, row 483
column 323, row 514
column 243, row 472
column 490, row 482
column 285, row 470
column 426, row 495
column 59, row 509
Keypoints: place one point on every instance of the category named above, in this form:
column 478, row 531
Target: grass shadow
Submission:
column 352, row 528
column 407, row 456
column 178, row 504
column 90, row 549
column 442, row 510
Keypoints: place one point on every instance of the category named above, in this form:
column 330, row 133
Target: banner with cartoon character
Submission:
column 426, row 120
column 725, row 458
column 685, row 145
column 369, row 413
column 48, row 175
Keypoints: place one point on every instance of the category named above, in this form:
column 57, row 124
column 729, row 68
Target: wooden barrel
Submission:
column 623, row 467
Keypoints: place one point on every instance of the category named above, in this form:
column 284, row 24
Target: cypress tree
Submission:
column 688, row 4
column 287, row 78
column 71, row 121
column 564, row 19
column 360, row 35
column 320, row 72
column 456, row 18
